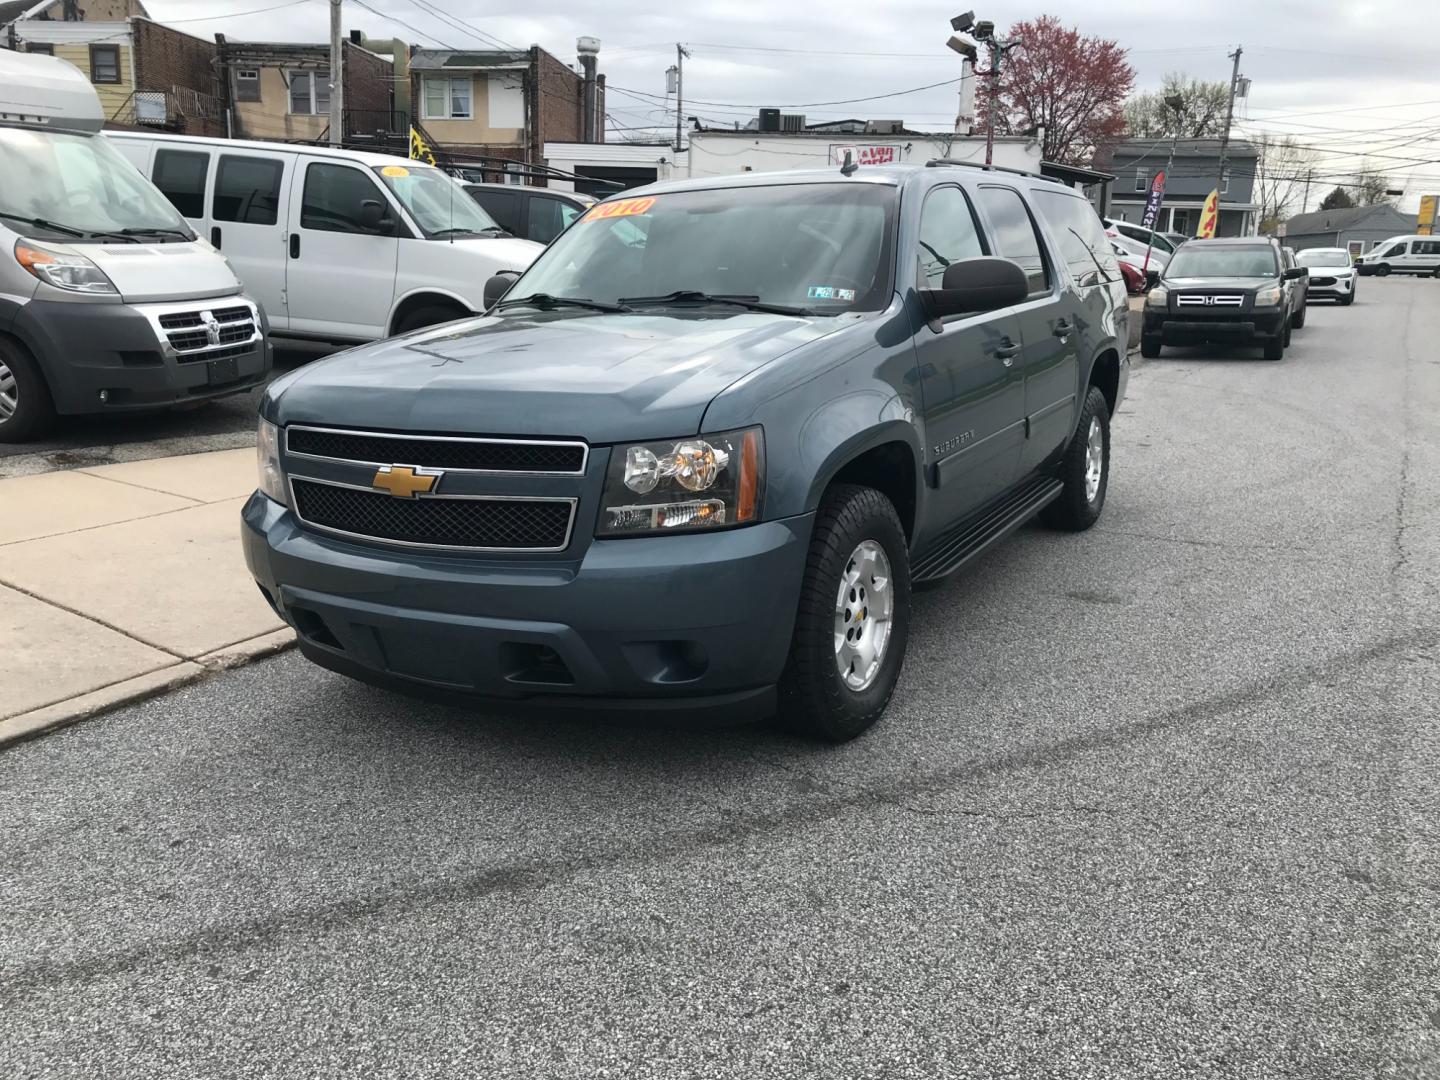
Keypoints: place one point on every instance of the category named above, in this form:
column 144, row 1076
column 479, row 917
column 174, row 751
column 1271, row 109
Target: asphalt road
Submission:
column 102, row 440
column 1160, row 800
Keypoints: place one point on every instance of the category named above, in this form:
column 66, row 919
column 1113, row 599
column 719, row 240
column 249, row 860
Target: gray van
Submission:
column 699, row 453
column 108, row 301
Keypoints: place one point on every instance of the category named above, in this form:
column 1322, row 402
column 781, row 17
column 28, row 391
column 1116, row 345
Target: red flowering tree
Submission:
column 1072, row 85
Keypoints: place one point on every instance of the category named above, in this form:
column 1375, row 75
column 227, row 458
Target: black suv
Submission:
column 1237, row 291
column 696, row 457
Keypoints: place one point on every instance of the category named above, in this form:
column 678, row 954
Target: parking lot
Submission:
column 1155, row 800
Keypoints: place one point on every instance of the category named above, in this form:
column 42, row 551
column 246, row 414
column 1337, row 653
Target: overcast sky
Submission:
column 1351, row 79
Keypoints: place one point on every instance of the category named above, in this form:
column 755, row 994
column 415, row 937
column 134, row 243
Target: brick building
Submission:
column 282, row 91
column 498, row 105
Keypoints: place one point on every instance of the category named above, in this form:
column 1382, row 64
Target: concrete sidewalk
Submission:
column 123, row 581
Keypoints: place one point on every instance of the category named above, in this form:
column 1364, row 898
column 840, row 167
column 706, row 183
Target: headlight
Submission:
column 1157, row 297
column 74, row 273
column 709, row 482
column 1269, row 297
column 267, row 451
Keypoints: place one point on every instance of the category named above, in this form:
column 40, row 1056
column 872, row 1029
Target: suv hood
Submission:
column 601, row 377
column 1239, row 284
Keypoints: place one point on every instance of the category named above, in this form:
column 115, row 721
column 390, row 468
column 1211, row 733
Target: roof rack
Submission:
column 946, row 162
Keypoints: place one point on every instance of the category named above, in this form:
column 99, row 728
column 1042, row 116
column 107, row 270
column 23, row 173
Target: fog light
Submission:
column 104, row 396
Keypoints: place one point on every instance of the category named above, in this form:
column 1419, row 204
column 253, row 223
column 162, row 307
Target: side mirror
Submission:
column 498, row 285
column 1152, row 278
column 373, row 215
column 975, row 285
column 1295, row 273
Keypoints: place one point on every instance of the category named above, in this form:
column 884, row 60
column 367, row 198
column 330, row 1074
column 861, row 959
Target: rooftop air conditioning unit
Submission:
column 884, row 127
column 769, row 119
column 792, row 122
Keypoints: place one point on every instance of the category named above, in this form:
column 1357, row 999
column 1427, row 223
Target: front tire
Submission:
column 1348, row 299
column 26, row 409
column 1150, row 348
column 1275, row 347
column 853, row 620
column 1383, row 270
column 429, row 315
column 1297, row 322
column 1084, row 470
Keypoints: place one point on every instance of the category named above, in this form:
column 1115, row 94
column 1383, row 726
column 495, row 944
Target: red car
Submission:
column 1134, row 279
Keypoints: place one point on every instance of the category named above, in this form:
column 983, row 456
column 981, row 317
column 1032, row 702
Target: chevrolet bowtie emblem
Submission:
column 405, row 482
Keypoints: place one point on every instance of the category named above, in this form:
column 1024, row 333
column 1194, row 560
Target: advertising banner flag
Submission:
column 419, row 150
column 1209, row 216
column 1152, row 204
column 1429, row 211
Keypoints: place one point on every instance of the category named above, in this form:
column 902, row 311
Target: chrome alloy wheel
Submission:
column 9, row 393
column 1094, row 459
column 864, row 606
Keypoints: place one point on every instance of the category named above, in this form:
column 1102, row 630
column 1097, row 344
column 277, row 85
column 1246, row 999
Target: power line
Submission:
column 803, row 104
column 408, row 26
column 237, row 14
column 464, row 26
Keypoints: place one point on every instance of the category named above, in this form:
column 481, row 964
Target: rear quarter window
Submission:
column 1077, row 231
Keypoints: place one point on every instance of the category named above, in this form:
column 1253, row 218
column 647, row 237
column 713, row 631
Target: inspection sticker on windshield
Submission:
column 622, row 208
column 829, row 292
column 394, row 170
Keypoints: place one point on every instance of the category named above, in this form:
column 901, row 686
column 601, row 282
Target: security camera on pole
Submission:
column 983, row 33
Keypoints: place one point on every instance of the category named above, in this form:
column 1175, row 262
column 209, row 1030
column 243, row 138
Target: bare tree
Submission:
column 1203, row 115
column 1281, row 172
column 1369, row 189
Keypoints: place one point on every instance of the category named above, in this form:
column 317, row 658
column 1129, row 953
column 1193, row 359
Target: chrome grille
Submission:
column 1210, row 299
column 534, row 456
column 473, row 523
column 197, row 333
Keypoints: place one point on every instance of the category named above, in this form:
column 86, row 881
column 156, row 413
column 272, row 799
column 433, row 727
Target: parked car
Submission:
column 1140, row 235
column 1157, row 257
column 536, row 213
column 1175, row 238
column 339, row 245
column 108, row 302
column 1331, row 274
column 1235, row 290
column 1402, row 255
column 699, row 453
column 1137, row 278
column 1299, row 291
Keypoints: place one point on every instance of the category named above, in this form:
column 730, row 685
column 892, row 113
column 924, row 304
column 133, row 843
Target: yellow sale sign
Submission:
column 1209, row 216
column 1429, row 210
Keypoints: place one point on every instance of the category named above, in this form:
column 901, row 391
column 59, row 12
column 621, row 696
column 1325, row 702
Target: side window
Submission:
column 948, row 233
column 1080, row 236
column 503, row 206
column 247, row 190
column 1014, row 235
column 1427, row 247
column 247, row 84
column 549, row 217
column 333, row 198
column 104, row 63
column 1396, row 249
column 180, row 176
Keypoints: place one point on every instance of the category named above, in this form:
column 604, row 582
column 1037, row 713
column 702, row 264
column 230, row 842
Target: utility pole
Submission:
column 995, row 53
column 1305, row 198
column 337, row 78
column 680, row 54
column 1225, row 135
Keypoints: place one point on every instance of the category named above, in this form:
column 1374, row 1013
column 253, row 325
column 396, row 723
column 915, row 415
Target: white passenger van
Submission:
column 1402, row 255
column 108, row 301
column 339, row 245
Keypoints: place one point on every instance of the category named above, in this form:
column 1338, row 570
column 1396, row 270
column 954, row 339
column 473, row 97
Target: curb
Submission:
column 29, row 725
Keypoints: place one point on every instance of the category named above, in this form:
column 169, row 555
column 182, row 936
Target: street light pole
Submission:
column 337, row 78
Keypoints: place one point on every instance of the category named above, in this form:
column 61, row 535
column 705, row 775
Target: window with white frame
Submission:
column 309, row 93
column 1225, row 182
column 1142, row 180
column 247, row 84
column 448, row 97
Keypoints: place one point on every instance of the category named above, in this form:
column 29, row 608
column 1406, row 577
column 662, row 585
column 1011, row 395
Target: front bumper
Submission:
column 694, row 623
column 1335, row 288
column 1241, row 325
column 85, row 349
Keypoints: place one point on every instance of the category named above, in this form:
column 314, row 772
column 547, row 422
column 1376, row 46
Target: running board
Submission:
column 957, row 547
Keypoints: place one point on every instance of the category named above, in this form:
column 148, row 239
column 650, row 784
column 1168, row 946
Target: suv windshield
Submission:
column 440, row 206
column 1323, row 258
column 1195, row 261
column 82, row 185
column 822, row 247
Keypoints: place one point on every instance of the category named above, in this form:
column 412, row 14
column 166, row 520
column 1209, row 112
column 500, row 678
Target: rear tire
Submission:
column 1084, row 470
column 429, row 315
column 1150, row 348
column 26, row 409
column 846, row 600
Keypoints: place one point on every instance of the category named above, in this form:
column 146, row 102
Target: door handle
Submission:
column 1062, row 330
column 294, row 245
column 215, row 235
column 1006, row 352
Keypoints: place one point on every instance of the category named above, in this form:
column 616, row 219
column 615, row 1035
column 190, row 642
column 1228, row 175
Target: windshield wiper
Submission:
column 454, row 232
column 159, row 231
column 68, row 230
column 694, row 296
column 546, row 302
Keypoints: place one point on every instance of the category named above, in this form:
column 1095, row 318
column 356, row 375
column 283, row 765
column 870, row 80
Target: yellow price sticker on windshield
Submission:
column 621, row 208
column 394, row 170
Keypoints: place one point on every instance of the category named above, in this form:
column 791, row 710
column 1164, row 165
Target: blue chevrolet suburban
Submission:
column 698, row 455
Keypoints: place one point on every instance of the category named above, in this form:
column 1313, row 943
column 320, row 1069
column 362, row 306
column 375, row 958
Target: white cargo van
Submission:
column 108, row 301
column 340, row 245
column 1402, row 255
